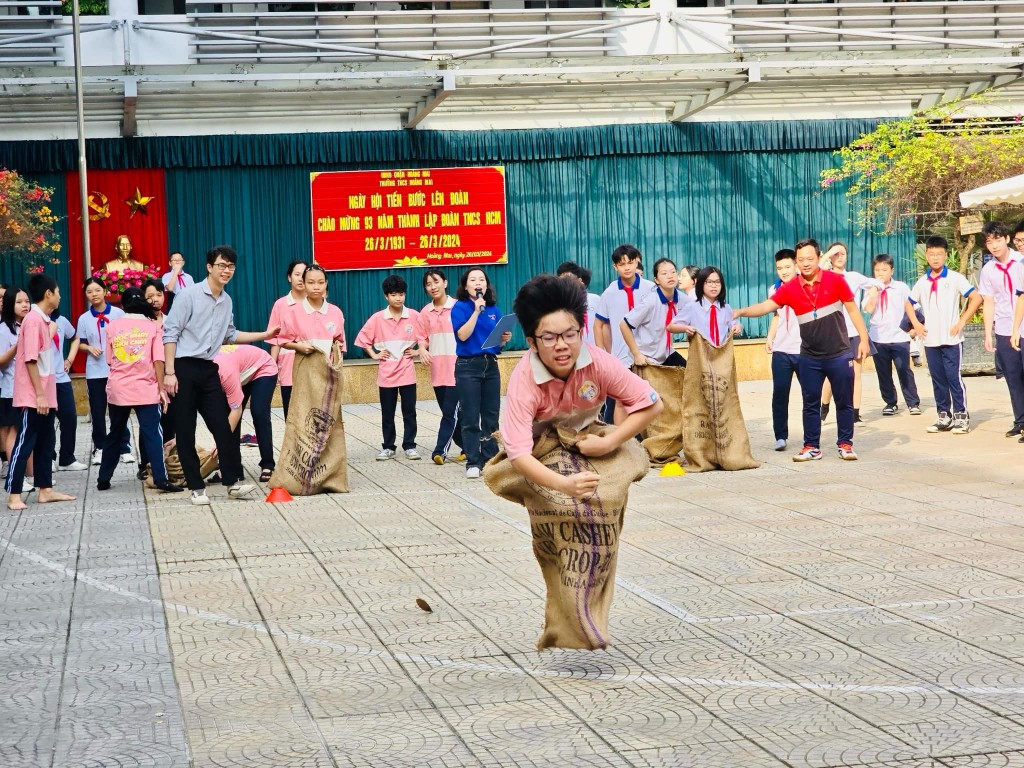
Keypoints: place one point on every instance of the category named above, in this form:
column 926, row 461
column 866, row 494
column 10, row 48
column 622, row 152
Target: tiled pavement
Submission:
column 854, row 614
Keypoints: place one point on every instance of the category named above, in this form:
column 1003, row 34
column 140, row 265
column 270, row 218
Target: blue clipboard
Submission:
column 506, row 324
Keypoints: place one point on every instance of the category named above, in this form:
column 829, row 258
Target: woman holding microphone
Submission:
column 474, row 316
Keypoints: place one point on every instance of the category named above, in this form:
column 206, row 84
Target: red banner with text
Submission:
column 409, row 218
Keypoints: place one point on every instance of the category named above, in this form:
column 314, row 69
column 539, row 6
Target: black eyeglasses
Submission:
column 570, row 336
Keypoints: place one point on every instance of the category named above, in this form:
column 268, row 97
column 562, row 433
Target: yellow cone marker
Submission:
column 672, row 469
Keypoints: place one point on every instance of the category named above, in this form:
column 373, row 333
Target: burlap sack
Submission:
column 313, row 455
column 663, row 438
column 714, row 433
column 575, row 542
column 208, row 464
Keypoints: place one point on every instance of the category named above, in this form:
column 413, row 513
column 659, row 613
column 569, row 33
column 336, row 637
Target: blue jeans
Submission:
column 784, row 366
column 839, row 372
column 450, row 429
column 947, row 383
column 898, row 355
column 479, row 385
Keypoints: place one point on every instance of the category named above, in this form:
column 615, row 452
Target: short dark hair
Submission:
column 176, row 253
column 226, row 252
column 692, row 270
column 572, row 268
column 626, row 251
column 785, row 253
column 883, row 258
column 293, row 265
column 133, row 300
column 153, row 283
column 314, row 268
column 93, row 281
column 462, row 294
column 658, row 263
column 995, row 229
column 7, row 306
column 808, row 241
column 936, row 241
column 39, row 284
column 702, row 277
column 1016, row 229
column 545, row 294
column 433, row 272
column 394, row 284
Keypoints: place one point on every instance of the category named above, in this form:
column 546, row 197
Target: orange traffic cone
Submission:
column 278, row 495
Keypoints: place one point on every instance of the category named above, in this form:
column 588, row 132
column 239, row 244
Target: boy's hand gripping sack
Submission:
column 714, row 433
column 663, row 438
column 313, row 455
column 575, row 542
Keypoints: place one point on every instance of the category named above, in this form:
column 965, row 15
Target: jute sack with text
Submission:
column 714, row 433
column 663, row 438
column 313, row 455
column 575, row 542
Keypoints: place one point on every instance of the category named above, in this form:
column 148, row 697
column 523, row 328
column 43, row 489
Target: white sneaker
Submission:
column 473, row 473
column 240, row 490
column 385, row 454
column 28, row 484
column 127, row 458
column 412, row 454
column 97, row 457
column 4, row 470
column 199, row 498
column 780, row 444
column 74, row 466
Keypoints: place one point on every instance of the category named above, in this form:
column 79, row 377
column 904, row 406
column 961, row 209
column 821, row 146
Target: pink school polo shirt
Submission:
column 537, row 399
column 237, row 365
column 437, row 335
column 395, row 334
column 285, row 357
column 134, row 344
column 34, row 344
column 321, row 327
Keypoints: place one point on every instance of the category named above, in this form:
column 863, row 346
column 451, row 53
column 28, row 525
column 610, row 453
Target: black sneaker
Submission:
column 1014, row 431
column 856, row 416
column 168, row 487
column 890, row 410
column 102, row 485
column 943, row 424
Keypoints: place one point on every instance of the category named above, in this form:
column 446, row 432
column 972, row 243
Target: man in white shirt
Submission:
column 783, row 344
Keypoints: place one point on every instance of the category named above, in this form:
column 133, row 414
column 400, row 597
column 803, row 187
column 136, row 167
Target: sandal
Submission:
column 265, row 475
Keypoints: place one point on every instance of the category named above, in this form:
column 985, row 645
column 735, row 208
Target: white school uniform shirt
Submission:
column 8, row 339
column 857, row 283
column 65, row 330
column 1000, row 282
column 613, row 307
column 698, row 314
column 593, row 306
column 647, row 321
column 890, row 309
column 938, row 298
column 95, row 336
column 787, row 333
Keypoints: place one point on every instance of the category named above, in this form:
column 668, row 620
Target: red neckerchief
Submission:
column 883, row 299
column 713, row 329
column 934, row 282
column 670, row 313
column 102, row 318
column 181, row 280
column 629, row 295
column 1006, row 276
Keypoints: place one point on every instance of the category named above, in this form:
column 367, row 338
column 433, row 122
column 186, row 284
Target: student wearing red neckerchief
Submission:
column 887, row 307
column 645, row 327
column 783, row 344
column 177, row 279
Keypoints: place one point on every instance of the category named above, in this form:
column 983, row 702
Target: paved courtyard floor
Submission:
column 824, row 614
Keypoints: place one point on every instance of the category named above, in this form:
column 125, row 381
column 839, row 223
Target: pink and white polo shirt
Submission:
column 395, row 334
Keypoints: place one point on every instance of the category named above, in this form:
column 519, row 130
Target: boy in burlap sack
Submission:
column 314, row 458
column 714, row 433
column 571, row 472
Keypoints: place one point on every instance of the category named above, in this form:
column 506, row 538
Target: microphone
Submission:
column 479, row 293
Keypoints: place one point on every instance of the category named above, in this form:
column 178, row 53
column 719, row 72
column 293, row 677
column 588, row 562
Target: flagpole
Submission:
column 83, row 184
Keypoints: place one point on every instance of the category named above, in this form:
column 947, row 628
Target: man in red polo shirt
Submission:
column 817, row 297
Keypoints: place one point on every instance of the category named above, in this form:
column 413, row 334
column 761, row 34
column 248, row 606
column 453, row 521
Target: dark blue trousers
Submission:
column 67, row 418
column 784, row 366
column 450, row 429
column 479, row 385
column 947, row 383
column 35, row 434
column 150, row 435
column 98, row 410
column 812, row 374
column 1012, row 364
column 261, row 391
column 886, row 357
column 388, row 403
